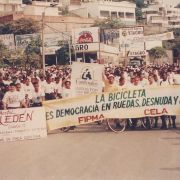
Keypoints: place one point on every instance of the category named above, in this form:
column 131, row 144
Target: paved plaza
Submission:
column 92, row 153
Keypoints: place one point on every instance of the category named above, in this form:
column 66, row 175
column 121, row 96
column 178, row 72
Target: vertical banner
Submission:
column 132, row 40
column 8, row 40
column 22, row 124
column 86, row 78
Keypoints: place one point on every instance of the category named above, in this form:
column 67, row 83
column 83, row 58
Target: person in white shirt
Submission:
column 20, row 90
column 13, row 99
column 67, row 91
column 122, row 83
column 143, row 80
column 42, row 82
column 164, row 82
column 37, row 95
column 152, row 82
column 49, row 89
column 28, row 88
column 58, row 87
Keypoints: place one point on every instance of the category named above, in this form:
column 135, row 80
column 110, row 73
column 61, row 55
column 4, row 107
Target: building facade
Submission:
column 162, row 13
column 125, row 11
column 10, row 6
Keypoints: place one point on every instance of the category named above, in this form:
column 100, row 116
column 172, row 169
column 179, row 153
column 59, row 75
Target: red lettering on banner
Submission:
column 152, row 112
column 86, row 119
column 5, row 120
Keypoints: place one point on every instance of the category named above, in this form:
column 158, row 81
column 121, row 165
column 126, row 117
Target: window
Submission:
column 113, row 14
column 130, row 15
column 121, row 14
column 104, row 13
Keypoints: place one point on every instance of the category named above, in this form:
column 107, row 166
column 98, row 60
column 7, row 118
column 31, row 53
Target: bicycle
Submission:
column 115, row 125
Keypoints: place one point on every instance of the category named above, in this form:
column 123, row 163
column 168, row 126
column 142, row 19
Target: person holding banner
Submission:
column 49, row 89
column 37, row 95
column 58, row 87
column 109, row 83
column 13, row 99
column 67, row 91
column 109, row 86
column 165, row 82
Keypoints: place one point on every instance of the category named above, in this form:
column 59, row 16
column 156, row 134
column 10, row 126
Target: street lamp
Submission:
column 43, row 50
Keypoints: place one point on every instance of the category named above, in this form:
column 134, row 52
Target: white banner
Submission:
column 85, row 35
column 86, row 78
column 126, row 103
column 22, row 124
column 8, row 40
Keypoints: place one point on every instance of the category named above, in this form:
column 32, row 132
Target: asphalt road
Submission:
column 93, row 153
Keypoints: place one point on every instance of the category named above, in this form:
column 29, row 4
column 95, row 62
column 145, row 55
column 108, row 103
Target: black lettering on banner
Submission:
column 81, row 47
column 49, row 115
column 85, row 47
column 106, row 106
column 176, row 99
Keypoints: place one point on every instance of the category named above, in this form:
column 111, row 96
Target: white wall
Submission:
column 94, row 9
column 38, row 10
column 10, row 1
column 82, row 12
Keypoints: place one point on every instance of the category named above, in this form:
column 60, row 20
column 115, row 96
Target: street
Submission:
column 90, row 153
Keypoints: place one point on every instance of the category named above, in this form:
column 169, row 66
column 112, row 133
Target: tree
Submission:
column 63, row 53
column 157, row 54
column 174, row 44
column 140, row 3
column 32, row 53
column 108, row 23
column 20, row 26
column 139, row 14
column 4, row 54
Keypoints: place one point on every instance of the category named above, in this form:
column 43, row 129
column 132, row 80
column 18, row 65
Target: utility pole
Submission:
column 43, row 53
column 70, row 60
column 43, row 50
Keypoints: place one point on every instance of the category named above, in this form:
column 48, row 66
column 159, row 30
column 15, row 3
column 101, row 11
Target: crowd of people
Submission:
column 23, row 89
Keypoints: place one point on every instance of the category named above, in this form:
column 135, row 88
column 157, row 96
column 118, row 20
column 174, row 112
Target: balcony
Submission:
column 111, row 3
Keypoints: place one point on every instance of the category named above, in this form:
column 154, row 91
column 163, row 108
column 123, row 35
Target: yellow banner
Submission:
column 128, row 103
